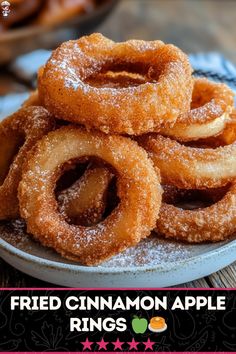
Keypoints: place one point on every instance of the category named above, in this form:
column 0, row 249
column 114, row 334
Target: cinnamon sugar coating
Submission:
column 210, row 111
column 18, row 134
column 138, row 188
column 191, row 167
column 85, row 201
column 67, row 87
column 216, row 222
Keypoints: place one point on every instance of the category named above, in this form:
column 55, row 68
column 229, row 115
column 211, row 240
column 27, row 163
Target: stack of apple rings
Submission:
column 127, row 142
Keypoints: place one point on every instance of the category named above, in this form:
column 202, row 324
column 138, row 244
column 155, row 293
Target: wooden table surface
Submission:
column 193, row 25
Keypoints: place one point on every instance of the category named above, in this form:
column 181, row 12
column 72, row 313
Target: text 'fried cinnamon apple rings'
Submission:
column 18, row 134
column 71, row 72
column 210, row 108
column 212, row 223
column 191, row 167
column 138, row 188
column 85, row 201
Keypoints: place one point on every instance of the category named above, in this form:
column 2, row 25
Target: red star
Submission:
column 102, row 344
column 133, row 344
column 117, row 344
column 148, row 344
column 87, row 344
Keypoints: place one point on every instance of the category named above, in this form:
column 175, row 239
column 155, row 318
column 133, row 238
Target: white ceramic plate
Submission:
column 153, row 263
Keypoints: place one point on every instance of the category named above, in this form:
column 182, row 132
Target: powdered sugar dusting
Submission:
column 152, row 251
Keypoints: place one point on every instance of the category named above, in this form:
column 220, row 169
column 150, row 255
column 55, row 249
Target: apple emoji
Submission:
column 139, row 325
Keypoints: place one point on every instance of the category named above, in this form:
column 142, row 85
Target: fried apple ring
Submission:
column 210, row 108
column 18, row 134
column 68, row 89
column 138, row 187
column 55, row 12
column 84, row 202
column 191, row 167
column 228, row 136
column 213, row 223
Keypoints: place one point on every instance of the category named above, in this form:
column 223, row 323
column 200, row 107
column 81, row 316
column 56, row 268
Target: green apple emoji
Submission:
column 139, row 325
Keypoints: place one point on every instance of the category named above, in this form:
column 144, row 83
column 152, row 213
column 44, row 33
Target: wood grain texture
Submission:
column 225, row 278
column 13, row 278
column 193, row 25
column 199, row 283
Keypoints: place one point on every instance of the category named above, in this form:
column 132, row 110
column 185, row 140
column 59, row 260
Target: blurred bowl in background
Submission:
column 26, row 39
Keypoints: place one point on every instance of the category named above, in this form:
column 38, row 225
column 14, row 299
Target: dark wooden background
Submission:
column 193, row 25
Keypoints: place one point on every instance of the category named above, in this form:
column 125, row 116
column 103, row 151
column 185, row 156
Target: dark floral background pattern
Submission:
column 48, row 331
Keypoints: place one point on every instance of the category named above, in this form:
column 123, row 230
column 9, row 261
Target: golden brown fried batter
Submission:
column 138, row 188
column 68, row 89
column 18, row 134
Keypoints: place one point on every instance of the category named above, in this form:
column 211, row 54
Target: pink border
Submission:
column 148, row 289
column 115, row 352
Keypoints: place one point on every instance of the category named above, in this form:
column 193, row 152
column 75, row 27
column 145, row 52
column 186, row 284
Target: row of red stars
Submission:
column 118, row 344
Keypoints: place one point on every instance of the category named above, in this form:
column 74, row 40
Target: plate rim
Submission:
column 167, row 266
